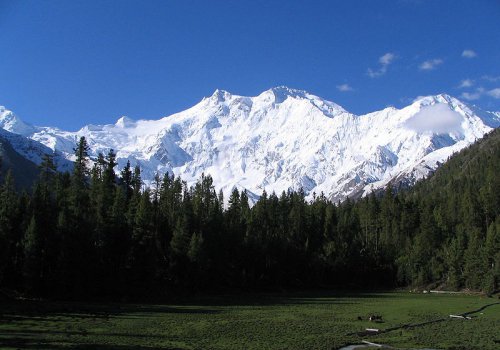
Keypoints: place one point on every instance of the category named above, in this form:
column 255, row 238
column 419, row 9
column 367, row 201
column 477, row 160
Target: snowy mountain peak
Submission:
column 10, row 122
column 125, row 122
column 220, row 96
column 284, row 139
column 440, row 98
column 281, row 93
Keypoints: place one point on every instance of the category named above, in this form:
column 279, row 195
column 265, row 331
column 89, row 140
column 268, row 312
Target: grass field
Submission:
column 296, row 321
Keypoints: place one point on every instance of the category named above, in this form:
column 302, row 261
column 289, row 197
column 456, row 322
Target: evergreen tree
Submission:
column 136, row 181
column 143, row 256
column 491, row 281
column 77, row 230
column 454, row 257
column 126, row 178
column 475, row 263
column 179, row 245
column 33, row 260
column 9, row 236
column 48, row 171
column 80, row 170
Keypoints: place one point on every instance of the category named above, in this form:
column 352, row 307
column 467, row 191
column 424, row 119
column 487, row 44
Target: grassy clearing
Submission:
column 297, row 321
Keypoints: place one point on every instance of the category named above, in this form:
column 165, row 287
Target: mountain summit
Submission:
column 10, row 122
column 283, row 139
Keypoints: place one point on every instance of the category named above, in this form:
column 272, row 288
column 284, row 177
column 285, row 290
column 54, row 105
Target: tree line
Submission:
column 95, row 233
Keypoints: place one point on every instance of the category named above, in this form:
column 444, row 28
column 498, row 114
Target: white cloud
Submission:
column 471, row 96
column 476, row 95
column 376, row 73
column 469, row 54
column 495, row 93
column 384, row 60
column 466, row 83
column 344, row 88
column 430, row 64
column 491, row 78
column 387, row 59
column 437, row 118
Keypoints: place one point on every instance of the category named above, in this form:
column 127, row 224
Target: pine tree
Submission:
column 79, row 183
column 143, row 256
column 126, row 178
column 78, row 228
column 136, row 181
column 33, row 260
column 48, row 170
column 179, row 245
column 475, row 263
column 80, row 170
column 454, row 258
column 491, row 280
column 109, row 169
column 9, row 236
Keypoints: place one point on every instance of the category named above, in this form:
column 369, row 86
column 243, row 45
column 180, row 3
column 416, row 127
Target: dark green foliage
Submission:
column 91, row 233
column 11, row 260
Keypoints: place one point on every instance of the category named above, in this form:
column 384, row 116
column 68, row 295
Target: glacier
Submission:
column 279, row 140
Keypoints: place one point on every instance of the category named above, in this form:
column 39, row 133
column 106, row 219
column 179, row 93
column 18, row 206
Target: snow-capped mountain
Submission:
column 24, row 171
column 18, row 134
column 281, row 139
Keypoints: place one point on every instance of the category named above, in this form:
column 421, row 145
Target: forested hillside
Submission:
column 92, row 233
column 464, row 228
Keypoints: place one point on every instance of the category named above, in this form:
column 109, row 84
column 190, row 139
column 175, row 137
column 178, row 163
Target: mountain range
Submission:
column 281, row 139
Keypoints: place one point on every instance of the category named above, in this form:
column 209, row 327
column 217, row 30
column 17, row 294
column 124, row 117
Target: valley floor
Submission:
column 316, row 320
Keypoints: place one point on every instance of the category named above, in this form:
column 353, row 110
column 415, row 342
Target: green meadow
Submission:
column 316, row 320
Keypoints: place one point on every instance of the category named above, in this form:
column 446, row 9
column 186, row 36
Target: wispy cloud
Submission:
column 384, row 60
column 376, row 73
column 387, row 59
column 466, row 83
column 479, row 92
column 344, row 88
column 491, row 78
column 430, row 64
column 471, row 96
column 469, row 54
column 495, row 93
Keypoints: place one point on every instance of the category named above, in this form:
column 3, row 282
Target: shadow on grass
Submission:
column 35, row 334
column 41, row 311
column 53, row 311
column 284, row 298
column 23, row 317
column 50, row 311
column 23, row 343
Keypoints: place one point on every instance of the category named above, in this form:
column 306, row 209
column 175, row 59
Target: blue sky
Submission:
column 70, row 63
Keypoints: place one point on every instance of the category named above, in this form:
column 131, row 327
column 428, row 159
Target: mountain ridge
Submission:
column 284, row 139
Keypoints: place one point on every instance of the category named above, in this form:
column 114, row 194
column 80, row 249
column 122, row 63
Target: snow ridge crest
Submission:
column 282, row 139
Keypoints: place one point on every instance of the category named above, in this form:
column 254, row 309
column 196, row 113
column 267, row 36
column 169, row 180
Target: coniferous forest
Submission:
column 98, row 233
